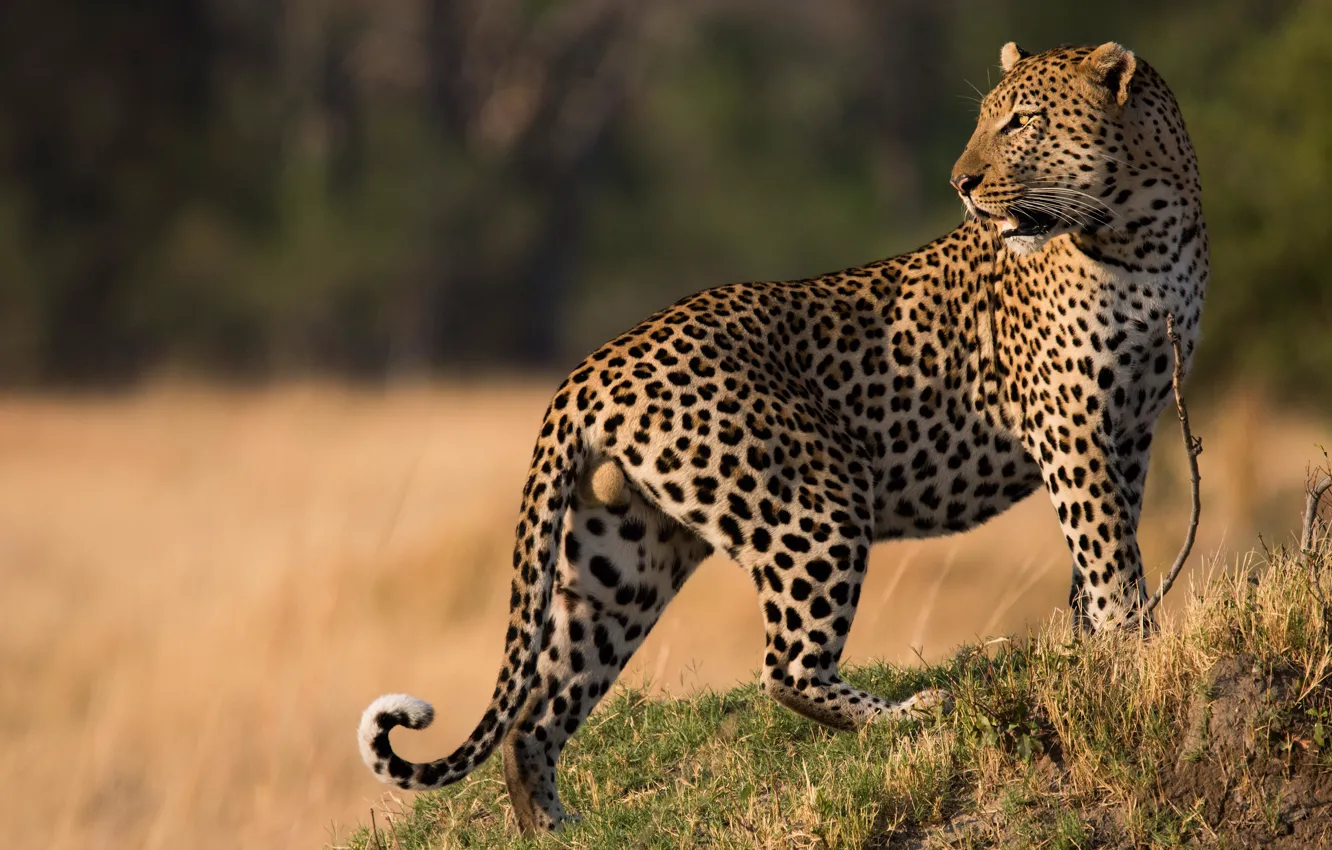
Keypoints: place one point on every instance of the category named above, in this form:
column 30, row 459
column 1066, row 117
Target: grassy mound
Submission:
column 1215, row 732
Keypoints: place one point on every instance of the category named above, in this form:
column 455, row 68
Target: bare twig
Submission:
column 1311, row 511
column 1192, row 448
column 393, row 831
column 374, row 830
column 1312, row 563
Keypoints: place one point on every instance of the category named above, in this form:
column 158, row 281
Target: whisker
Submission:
column 1034, row 209
column 1059, row 187
column 1067, row 191
column 1071, row 206
column 1087, row 216
column 1062, row 200
column 1056, row 202
column 1074, row 204
column 1064, row 190
column 1074, row 197
column 1060, row 215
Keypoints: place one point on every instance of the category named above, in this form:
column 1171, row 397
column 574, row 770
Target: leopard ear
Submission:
column 1111, row 65
column 1010, row 54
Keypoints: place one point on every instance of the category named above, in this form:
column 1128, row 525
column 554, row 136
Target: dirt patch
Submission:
column 1249, row 774
column 1248, row 766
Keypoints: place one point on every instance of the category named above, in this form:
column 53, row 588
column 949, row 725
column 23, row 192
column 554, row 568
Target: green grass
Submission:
column 1054, row 742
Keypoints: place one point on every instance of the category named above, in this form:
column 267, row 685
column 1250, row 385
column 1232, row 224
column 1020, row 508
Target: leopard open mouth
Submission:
column 1028, row 223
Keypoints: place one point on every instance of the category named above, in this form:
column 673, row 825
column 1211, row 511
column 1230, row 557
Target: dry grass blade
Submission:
column 1192, row 448
column 1311, row 511
column 181, row 529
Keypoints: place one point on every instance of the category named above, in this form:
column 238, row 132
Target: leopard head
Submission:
column 1068, row 142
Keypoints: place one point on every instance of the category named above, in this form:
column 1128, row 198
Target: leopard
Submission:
column 791, row 425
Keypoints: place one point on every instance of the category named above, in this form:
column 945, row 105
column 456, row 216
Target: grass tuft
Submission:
column 1216, row 732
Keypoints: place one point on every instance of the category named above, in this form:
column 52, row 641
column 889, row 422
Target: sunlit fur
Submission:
column 792, row 424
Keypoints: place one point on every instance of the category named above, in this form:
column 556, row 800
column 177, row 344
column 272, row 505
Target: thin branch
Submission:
column 1313, row 563
column 1311, row 512
column 1192, row 448
column 393, row 831
column 374, row 830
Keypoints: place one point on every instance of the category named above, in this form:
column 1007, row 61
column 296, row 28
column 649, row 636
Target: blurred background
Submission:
column 285, row 286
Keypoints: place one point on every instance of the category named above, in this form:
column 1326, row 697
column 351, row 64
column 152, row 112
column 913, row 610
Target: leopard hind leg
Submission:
column 620, row 565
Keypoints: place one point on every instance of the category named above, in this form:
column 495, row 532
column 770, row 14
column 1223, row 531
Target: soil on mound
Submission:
column 1250, row 763
column 1251, row 773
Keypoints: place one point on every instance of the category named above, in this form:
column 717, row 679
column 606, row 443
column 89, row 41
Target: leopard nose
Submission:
column 966, row 183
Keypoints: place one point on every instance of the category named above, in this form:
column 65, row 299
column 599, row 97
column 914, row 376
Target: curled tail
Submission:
column 556, row 465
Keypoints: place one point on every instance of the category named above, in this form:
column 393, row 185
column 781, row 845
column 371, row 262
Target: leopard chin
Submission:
column 1024, row 244
column 1026, row 233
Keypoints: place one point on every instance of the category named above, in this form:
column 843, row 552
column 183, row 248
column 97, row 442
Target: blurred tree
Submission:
column 532, row 91
column 1266, row 153
column 376, row 187
column 112, row 123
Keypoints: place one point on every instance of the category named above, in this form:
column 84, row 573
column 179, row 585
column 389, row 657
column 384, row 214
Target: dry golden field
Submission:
column 201, row 589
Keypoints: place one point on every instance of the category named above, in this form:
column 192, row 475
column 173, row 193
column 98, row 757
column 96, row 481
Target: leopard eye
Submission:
column 1018, row 121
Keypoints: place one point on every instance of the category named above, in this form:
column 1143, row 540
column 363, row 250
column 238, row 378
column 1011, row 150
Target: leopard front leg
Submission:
column 1132, row 457
column 1097, row 493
